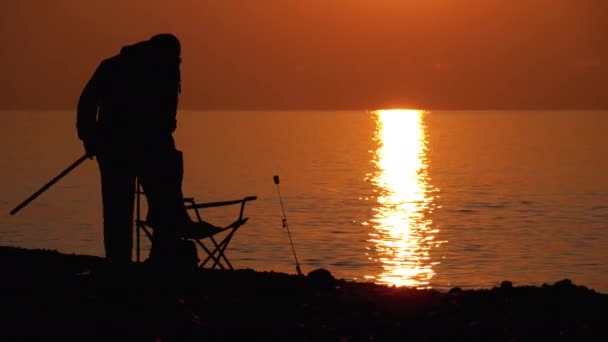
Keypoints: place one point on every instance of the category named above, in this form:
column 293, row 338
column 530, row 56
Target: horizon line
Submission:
column 317, row 109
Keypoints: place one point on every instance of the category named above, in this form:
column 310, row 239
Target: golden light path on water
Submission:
column 403, row 234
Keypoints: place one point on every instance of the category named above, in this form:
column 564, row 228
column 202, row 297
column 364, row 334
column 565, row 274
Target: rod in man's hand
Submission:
column 49, row 184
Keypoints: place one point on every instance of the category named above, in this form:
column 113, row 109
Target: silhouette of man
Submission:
column 126, row 118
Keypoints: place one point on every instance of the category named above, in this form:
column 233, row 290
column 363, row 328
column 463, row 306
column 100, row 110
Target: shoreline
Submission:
column 48, row 294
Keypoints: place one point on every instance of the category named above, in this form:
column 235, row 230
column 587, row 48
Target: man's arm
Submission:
column 86, row 116
column 173, row 110
column 170, row 89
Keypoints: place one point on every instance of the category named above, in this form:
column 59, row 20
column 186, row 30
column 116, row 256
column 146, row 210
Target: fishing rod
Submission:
column 49, row 184
column 286, row 226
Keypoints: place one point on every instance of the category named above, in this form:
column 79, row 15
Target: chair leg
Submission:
column 210, row 255
column 219, row 250
column 222, row 247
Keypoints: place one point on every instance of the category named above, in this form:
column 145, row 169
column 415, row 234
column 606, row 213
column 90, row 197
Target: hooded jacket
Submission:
column 132, row 97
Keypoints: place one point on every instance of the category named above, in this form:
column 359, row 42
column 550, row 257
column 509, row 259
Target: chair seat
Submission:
column 190, row 229
column 197, row 230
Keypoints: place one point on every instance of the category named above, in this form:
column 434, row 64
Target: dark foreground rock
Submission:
column 46, row 295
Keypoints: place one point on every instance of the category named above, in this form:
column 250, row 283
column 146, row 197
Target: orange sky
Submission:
column 321, row 54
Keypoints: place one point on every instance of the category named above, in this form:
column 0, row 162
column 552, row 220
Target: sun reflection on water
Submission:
column 403, row 234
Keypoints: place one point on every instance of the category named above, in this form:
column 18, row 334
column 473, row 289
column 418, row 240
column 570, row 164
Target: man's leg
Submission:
column 118, row 194
column 162, row 183
column 161, row 178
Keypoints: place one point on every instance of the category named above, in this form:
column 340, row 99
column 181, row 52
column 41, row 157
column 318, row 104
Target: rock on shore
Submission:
column 46, row 294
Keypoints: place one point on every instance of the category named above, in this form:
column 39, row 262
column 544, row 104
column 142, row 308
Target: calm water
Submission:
column 434, row 199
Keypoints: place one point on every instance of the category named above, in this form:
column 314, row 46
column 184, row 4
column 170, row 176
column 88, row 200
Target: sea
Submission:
column 418, row 198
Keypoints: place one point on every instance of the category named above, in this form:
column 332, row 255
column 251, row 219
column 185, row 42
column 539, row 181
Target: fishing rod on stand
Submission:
column 286, row 226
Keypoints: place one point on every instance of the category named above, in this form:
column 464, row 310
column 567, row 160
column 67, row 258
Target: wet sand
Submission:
column 46, row 295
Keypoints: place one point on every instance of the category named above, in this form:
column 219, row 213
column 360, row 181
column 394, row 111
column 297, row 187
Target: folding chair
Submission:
column 214, row 248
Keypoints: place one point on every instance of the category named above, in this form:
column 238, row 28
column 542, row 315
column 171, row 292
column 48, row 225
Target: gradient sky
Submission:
column 321, row 54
